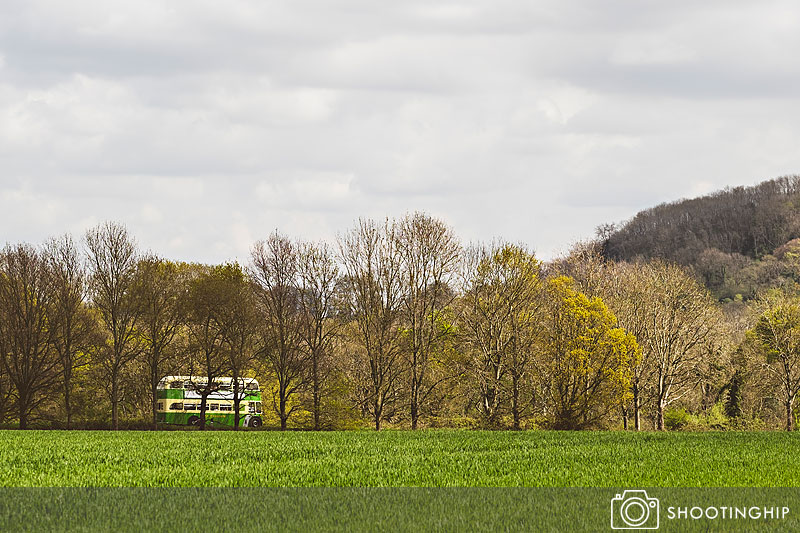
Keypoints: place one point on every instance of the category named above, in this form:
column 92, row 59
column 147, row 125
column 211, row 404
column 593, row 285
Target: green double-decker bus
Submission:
column 179, row 401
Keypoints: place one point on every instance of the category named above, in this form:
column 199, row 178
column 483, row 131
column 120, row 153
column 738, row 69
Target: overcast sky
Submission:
column 205, row 125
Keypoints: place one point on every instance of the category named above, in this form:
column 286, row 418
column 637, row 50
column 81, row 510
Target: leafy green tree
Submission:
column 27, row 355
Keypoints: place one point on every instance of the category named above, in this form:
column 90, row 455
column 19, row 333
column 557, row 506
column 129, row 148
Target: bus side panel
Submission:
column 176, row 418
column 223, row 419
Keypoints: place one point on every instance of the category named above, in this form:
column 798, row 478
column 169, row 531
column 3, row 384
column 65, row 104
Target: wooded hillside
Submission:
column 736, row 239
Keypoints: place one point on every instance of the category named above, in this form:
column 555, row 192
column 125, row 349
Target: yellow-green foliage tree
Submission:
column 584, row 361
column 778, row 334
column 500, row 310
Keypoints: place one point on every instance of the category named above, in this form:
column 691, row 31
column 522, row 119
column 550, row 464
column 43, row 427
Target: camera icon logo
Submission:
column 633, row 509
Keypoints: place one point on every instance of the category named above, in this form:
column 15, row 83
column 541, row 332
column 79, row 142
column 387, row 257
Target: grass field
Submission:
column 398, row 458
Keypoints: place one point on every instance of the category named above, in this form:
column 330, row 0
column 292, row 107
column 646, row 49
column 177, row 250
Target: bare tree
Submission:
column 374, row 283
column 73, row 329
column 113, row 259
column 626, row 288
column 26, row 353
column 274, row 272
column 429, row 253
column 240, row 320
column 317, row 285
column 679, row 321
column 162, row 288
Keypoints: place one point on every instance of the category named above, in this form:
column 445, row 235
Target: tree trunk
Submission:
column 414, row 394
column 489, row 410
column 283, row 412
column 625, row 418
column 414, row 413
column 67, row 404
column 23, row 415
column 378, row 415
column 515, row 401
column 114, row 400
column 789, row 417
column 154, row 379
column 154, row 405
column 637, row 410
column 660, row 419
column 235, row 401
column 316, row 391
column 203, row 402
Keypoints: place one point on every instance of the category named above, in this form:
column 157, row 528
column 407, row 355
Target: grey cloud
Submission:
column 205, row 125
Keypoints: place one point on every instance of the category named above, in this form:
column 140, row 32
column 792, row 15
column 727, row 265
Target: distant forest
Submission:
column 737, row 240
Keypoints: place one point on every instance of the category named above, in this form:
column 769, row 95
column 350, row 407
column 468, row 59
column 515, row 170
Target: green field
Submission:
column 398, row 458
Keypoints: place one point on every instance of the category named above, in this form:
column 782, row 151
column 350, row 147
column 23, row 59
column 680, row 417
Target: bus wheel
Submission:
column 255, row 422
column 194, row 420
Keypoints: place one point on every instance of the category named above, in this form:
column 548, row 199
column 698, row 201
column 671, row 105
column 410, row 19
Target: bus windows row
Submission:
column 251, row 407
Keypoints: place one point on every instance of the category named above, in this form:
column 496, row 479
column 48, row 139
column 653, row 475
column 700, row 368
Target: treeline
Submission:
column 396, row 323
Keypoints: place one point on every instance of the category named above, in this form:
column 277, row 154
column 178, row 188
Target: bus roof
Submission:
column 225, row 380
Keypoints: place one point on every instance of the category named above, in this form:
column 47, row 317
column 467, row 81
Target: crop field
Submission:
column 397, row 458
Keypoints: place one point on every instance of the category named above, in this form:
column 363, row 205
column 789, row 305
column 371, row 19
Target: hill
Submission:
column 737, row 240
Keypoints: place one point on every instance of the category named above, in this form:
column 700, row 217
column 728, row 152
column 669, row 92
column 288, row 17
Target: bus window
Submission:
column 177, row 406
column 213, row 407
column 258, row 408
column 189, row 407
column 176, row 385
column 252, row 386
column 160, row 406
column 251, row 407
column 225, row 407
